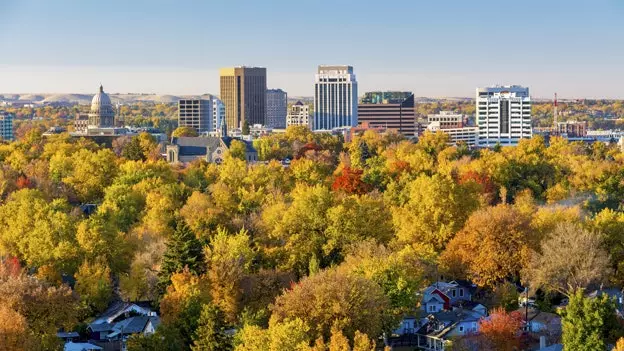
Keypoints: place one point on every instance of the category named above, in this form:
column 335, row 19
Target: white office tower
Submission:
column 335, row 98
column 503, row 115
column 218, row 114
column 276, row 108
column 298, row 115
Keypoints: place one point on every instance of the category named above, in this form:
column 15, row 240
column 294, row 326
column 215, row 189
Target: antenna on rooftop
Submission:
column 555, row 113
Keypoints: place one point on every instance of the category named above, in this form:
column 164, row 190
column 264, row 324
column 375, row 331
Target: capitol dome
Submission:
column 102, row 113
column 100, row 100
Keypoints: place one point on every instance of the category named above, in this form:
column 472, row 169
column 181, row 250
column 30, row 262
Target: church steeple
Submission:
column 101, row 88
column 223, row 127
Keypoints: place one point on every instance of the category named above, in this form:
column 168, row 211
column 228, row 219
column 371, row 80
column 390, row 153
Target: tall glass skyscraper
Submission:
column 335, row 98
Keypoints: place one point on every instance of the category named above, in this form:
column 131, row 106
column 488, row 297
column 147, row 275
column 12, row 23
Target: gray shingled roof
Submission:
column 101, row 327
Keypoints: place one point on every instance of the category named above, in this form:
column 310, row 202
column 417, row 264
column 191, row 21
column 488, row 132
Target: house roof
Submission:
column 535, row 315
column 198, row 146
column 81, row 346
column 117, row 308
column 433, row 297
column 467, row 305
column 66, row 335
column 100, row 327
column 134, row 325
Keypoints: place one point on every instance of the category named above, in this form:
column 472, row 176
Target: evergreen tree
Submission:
column 133, row 150
column 364, row 152
column 245, row 128
column 211, row 333
column 589, row 324
column 183, row 250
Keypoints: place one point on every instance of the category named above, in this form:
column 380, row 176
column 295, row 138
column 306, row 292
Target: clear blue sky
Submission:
column 433, row 47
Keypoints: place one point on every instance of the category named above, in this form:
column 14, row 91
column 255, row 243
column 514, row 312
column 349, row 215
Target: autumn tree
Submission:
column 350, row 181
column 39, row 231
column 202, row 215
column 181, row 305
column 286, row 335
column 495, row 244
column 238, row 149
column 300, row 226
column 94, row 285
column 333, row 298
column 355, row 219
column 401, row 274
column 571, row 258
column 432, row 210
column 184, row 132
column 500, row 331
column 228, row 259
column 610, row 225
column 13, row 330
column 35, row 308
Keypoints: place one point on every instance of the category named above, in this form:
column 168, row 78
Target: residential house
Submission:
column 440, row 327
column 540, row 322
column 123, row 318
column 446, row 311
column 209, row 148
column 441, row 295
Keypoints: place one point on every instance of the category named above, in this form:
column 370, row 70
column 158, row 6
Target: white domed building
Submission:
column 102, row 113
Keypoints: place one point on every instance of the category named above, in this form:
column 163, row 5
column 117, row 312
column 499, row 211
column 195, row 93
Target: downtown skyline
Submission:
column 434, row 50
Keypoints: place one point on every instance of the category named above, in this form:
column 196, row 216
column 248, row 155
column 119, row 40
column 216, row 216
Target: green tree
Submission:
column 133, row 150
column 589, row 324
column 245, row 130
column 183, row 250
column 211, row 333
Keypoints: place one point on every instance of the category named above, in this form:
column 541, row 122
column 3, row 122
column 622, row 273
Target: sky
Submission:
column 434, row 48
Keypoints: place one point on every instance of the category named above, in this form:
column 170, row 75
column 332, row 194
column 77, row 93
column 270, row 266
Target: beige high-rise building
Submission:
column 243, row 92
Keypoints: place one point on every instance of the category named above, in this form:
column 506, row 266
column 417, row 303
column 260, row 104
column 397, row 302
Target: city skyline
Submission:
column 431, row 49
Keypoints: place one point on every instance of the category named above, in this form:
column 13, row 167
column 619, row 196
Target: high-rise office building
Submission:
column 335, row 98
column 6, row 126
column 195, row 113
column 503, row 115
column 243, row 91
column 299, row 115
column 391, row 110
column 218, row 114
column 277, row 108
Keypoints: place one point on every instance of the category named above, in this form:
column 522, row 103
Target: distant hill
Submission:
column 85, row 99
